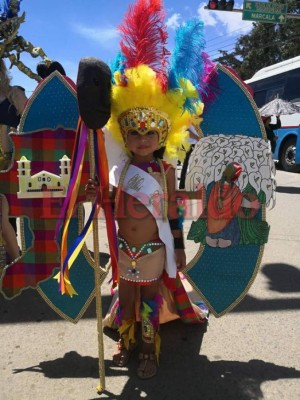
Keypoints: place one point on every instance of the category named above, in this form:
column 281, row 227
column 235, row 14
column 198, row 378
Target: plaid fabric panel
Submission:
column 44, row 149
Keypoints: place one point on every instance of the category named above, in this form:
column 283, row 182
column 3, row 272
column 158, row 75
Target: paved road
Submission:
column 250, row 354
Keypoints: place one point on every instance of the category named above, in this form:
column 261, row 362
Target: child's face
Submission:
column 142, row 145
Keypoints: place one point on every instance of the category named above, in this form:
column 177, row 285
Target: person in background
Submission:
column 12, row 104
column 270, row 130
column 44, row 69
column 8, row 235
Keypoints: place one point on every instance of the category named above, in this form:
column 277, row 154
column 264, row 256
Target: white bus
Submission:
column 282, row 80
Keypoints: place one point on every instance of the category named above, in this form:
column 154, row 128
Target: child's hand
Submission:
column 180, row 259
column 91, row 189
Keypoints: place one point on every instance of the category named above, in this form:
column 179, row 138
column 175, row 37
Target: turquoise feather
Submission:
column 188, row 59
column 118, row 64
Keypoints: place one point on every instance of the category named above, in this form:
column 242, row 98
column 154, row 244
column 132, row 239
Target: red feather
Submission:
column 144, row 36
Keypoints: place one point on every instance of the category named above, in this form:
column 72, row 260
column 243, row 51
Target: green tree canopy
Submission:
column 266, row 44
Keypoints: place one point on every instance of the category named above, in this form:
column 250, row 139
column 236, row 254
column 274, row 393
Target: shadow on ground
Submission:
column 183, row 373
column 283, row 278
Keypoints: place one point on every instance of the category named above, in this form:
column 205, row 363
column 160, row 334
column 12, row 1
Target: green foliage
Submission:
column 265, row 45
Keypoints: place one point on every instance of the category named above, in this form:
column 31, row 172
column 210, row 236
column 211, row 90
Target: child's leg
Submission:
column 151, row 302
column 127, row 299
column 126, row 323
column 9, row 235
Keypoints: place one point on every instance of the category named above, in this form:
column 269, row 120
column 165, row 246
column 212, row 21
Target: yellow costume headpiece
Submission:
column 146, row 95
column 143, row 120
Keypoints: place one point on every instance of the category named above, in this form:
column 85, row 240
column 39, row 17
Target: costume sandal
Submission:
column 147, row 366
column 122, row 356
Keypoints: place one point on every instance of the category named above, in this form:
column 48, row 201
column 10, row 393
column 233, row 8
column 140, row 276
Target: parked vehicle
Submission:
column 281, row 80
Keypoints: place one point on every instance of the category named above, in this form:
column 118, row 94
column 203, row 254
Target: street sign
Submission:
column 274, row 13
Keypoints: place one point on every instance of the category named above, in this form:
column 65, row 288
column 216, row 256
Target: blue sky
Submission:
column 68, row 30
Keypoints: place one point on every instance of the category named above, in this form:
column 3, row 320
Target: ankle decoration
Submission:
column 127, row 332
column 150, row 310
column 157, row 347
column 147, row 330
column 150, row 322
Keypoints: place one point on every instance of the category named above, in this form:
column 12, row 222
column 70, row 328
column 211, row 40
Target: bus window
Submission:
column 292, row 88
column 260, row 97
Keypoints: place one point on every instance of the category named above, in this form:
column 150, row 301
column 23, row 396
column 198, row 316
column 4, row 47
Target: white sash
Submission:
column 147, row 190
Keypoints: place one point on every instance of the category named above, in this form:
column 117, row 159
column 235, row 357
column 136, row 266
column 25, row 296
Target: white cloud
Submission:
column 231, row 23
column 173, row 21
column 102, row 36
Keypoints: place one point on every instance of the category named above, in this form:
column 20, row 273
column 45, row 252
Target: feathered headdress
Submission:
column 151, row 92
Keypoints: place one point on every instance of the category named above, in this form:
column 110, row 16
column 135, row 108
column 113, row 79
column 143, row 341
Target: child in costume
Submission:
column 142, row 251
column 270, row 128
column 149, row 230
column 152, row 108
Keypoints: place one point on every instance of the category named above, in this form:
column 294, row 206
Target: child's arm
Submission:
column 173, row 216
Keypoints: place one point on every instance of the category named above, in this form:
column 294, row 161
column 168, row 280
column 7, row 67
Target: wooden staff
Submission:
column 93, row 94
column 100, row 273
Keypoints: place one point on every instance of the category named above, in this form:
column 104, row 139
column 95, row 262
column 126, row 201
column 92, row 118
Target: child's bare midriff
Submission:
column 136, row 224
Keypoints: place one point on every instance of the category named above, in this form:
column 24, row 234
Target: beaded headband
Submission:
column 143, row 120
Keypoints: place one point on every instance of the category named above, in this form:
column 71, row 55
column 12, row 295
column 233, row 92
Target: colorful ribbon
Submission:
column 101, row 166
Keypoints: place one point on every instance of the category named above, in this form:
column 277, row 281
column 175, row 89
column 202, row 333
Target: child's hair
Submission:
column 44, row 69
column 159, row 153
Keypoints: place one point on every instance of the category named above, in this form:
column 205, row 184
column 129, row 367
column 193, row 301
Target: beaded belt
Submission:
column 134, row 253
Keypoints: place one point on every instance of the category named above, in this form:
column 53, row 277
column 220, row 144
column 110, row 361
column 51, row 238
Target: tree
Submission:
column 265, row 45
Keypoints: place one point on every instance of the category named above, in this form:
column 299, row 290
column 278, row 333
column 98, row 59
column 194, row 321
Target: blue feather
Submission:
column 172, row 79
column 187, row 59
column 118, row 64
